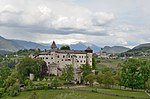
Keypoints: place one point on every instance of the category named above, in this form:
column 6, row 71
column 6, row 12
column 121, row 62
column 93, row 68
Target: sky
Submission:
column 101, row 22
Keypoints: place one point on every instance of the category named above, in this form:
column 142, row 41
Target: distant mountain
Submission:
column 30, row 45
column 140, row 50
column 82, row 46
column 15, row 45
column 9, row 45
column 115, row 49
column 141, row 47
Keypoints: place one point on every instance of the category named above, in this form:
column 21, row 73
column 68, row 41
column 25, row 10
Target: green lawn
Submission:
column 119, row 92
column 51, row 94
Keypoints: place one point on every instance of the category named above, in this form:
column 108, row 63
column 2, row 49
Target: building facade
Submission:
column 57, row 59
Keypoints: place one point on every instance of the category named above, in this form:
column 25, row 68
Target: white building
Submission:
column 57, row 59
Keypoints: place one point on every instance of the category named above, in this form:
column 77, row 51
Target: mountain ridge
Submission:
column 15, row 45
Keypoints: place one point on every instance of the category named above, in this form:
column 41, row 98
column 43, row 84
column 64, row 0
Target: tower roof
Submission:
column 88, row 49
column 53, row 46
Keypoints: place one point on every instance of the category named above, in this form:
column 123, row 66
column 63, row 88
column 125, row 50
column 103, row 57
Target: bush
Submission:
column 13, row 90
column 1, row 92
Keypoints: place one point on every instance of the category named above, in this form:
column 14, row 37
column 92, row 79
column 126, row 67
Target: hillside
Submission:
column 8, row 45
column 15, row 45
column 140, row 50
column 115, row 49
column 30, row 45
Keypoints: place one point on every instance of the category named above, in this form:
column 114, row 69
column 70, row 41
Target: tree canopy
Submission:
column 29, row 65
column 65, row 47
column 135, row 73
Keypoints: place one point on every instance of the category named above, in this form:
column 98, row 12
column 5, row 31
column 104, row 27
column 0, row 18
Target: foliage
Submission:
column 4, row 73
column 27, row 52
column 148, row 84
column 90, row 78
column 13, row 90
column 99, row 78
column 86, row 70
column 8, row 62
column 135, row 73
column 55, row 82
column 93, row 63
column 1, row 92
column 68, row 73
column 29, row 65
column 65, row 47
column 28, row 82
column 108, row 79
column 11, row 80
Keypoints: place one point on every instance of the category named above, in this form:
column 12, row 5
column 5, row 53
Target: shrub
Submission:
column 13, row 90
column 1, row 92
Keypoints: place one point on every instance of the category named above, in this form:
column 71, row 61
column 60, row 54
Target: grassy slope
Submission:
column 51, row 94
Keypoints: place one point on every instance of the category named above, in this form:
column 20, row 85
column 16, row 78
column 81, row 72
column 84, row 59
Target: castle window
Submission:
column 46, row 57
column 63, row 56
column 81, row 61
column 82, row 56
column 48, row 62
column 58, row 56
column 51, row 57
column 77, row 61
column 79, row 56
column 62, row 60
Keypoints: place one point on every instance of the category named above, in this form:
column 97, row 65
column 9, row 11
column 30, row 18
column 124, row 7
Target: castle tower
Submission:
column 89, row 56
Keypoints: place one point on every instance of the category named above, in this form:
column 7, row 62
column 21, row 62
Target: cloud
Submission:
column 102, row 18
column 43, row 17
column 103, row 22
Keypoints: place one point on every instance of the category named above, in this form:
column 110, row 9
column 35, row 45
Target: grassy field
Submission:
column 111, row 63
column 51, row 94
column 119, row 92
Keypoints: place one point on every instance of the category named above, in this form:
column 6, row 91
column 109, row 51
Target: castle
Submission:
column 57, row 59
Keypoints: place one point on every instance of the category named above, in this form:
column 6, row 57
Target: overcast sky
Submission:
column 101, row 22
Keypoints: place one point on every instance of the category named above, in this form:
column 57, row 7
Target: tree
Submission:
column 135, row 73
column 99, row 78
column 11, row 80
column 93, row 63
column 65, row 47
column 29, row 65
column 108, row 79
column 4, row 73
column 90, row 78
column 86, row 70
column 68, row 73
column 117, row 79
